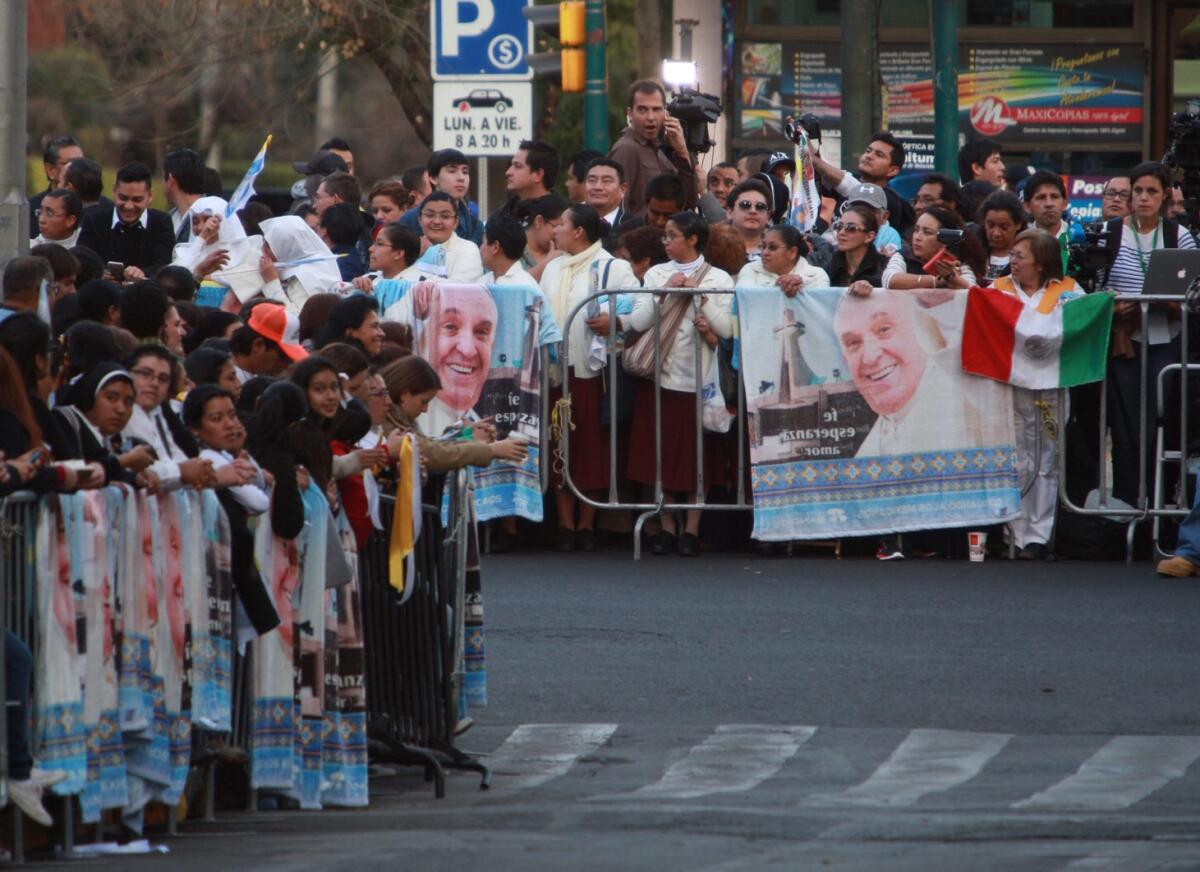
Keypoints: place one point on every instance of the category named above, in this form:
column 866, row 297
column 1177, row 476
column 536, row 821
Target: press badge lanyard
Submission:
column 1137, row 240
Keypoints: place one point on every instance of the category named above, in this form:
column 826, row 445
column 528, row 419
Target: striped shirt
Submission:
column 1128, row 273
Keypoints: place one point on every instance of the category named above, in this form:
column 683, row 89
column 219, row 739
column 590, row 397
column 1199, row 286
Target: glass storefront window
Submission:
column 1050, row 13
column 973, row 13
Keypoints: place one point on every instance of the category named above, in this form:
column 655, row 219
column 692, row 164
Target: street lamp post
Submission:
column 595, row 95
column 14, row 205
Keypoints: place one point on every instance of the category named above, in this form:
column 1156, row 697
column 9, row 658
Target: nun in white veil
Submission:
column 212, row 232
column 296, row 262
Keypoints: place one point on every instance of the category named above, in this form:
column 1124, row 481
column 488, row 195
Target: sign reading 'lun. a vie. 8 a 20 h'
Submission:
column 482, row 118
column 479, row 39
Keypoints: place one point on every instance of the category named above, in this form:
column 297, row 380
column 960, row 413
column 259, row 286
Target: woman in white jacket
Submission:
column 783, row 265
column 684, row 238
column 584, row 268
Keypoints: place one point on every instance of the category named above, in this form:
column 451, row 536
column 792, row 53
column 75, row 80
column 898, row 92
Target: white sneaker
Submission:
column 47, row 777
column 27, row 796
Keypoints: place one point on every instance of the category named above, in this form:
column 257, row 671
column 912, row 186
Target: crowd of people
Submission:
column 254, row 353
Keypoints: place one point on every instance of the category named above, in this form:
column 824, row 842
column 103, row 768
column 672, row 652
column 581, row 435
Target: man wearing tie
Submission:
column 129, row 232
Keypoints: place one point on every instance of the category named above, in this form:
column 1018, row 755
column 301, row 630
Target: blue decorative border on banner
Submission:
column 865, row 496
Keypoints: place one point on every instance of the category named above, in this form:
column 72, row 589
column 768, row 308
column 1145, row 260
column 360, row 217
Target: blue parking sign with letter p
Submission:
column 483, row 39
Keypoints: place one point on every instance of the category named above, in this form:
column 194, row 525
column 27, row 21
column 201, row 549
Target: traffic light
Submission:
column 565, row 21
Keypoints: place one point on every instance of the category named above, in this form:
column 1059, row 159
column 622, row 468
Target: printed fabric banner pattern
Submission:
column 862, row 421
column 485, row 343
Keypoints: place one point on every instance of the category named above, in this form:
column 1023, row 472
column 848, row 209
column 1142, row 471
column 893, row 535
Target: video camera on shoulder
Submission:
column 694, row 111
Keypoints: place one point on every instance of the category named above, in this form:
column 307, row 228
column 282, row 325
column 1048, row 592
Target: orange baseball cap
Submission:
column 273, row 321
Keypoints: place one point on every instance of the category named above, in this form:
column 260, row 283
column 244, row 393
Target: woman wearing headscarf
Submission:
column 101, row 404
column 26, row 338
column 296, row 263
column 220, row 250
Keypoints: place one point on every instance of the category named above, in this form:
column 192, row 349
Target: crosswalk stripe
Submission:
column 535, row 753
column 735, row 758
column 1127, row 769
column 927, row 761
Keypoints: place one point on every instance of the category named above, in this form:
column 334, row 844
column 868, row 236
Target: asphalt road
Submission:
column 730, row 712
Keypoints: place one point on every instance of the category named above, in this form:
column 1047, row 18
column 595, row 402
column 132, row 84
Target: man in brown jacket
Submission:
column 640, row 149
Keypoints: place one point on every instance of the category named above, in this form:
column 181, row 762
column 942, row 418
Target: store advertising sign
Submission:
column 1038, row 94
column 482, row 118
column 1085, row 196
column 1042, row 94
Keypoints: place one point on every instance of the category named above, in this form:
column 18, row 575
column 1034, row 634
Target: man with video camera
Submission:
column 652, row 144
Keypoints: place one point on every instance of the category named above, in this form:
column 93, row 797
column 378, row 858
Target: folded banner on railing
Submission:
column 134, row 641
column 862, row 420
column 484, row 341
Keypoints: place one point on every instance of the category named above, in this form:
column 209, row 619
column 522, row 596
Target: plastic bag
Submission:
column 717, row 417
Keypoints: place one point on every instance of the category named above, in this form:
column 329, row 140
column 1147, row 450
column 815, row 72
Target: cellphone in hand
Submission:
column 115, row 269
column 931, row 264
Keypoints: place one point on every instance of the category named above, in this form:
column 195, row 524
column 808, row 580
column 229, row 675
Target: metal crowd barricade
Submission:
column 1147, row 508
column 1154, row 509
column 659, row 505
column 415, row 652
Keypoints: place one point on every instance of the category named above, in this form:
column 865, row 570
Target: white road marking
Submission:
column 735, row 758
column 927, row 761
column 537, row 753
column 1127, row 769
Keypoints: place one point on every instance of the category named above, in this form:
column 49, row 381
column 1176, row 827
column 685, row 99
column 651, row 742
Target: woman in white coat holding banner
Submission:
column 584, row 268
column 783, row 264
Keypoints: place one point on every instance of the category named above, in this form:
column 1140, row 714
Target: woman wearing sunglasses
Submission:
column 856, row 264
column 932, row 264
column 783, row 264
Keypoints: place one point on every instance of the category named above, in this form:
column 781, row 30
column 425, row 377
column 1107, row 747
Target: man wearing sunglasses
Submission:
column 748, row 207
column 879, row 164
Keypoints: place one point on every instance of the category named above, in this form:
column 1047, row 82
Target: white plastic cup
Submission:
column 977, row 546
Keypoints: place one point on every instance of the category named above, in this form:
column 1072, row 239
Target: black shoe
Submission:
column 501, row 542
column 585, row 540
column 689, row 545
column 1032, row 551
column 766, row 549
column 662, row 543
column 566, row 540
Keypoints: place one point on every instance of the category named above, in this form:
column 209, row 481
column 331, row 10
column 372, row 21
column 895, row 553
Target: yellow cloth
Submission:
column 404, row 533
column 1055, row 288
column 572, row 265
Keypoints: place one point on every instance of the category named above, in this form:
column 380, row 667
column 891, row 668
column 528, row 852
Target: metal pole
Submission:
column 686, row 25
column 595, row 96
column 860, row 75
column 481, row 187
column 14, row 205
column 943, row 25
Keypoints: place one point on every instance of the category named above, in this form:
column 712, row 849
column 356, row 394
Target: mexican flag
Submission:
column 1008, row 341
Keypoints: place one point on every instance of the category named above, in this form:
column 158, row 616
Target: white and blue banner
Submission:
column 861, row 420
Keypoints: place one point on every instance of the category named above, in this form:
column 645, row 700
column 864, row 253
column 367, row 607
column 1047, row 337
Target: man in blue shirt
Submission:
column 450, row 172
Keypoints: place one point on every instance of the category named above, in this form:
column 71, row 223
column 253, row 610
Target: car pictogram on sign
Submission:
column 485, row 98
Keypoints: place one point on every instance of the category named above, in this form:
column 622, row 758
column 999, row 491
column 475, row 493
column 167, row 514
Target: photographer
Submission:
column 880, row 162
column 644, row 146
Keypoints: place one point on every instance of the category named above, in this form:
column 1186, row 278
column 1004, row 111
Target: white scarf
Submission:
column 572, row 266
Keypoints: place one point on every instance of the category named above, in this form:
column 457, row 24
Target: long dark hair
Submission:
column 15, row 398
column 969, row 251
column 311, row 434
